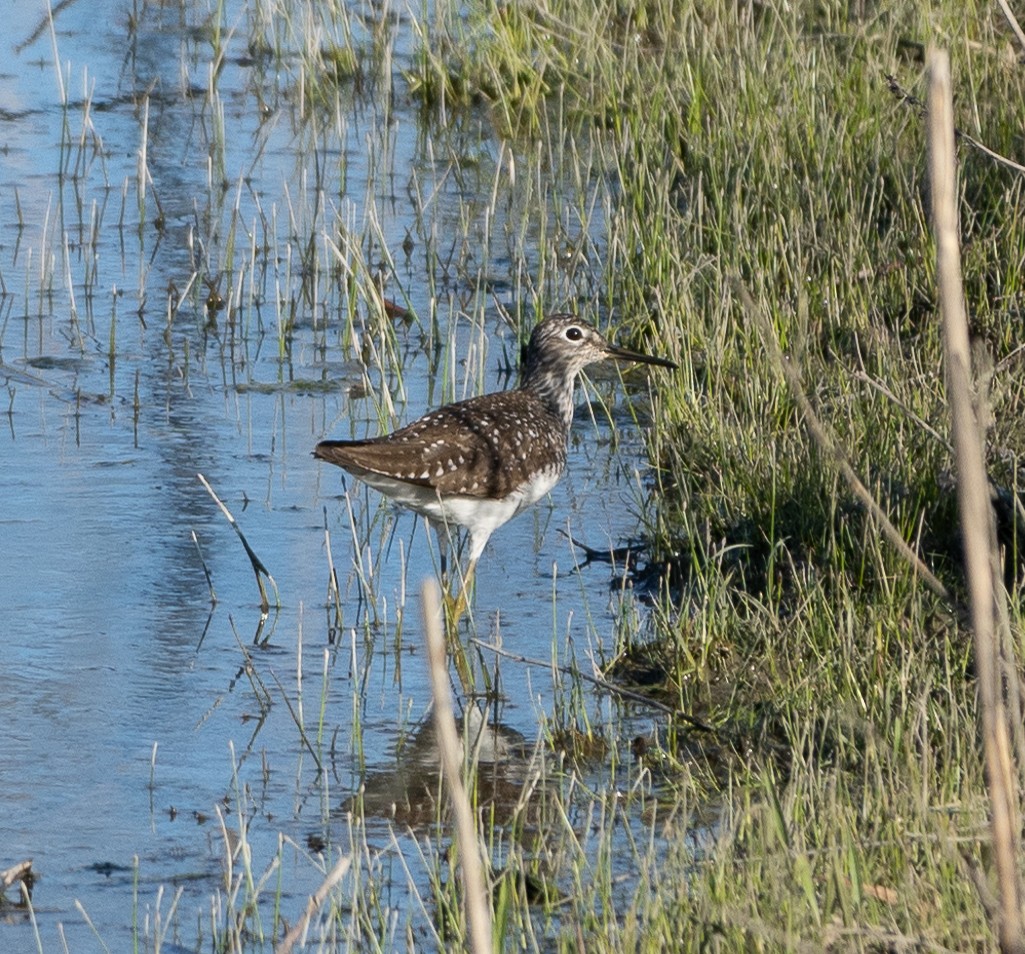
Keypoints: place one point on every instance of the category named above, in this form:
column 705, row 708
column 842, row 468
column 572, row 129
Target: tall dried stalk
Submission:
column 475, row 895
column 978, row 529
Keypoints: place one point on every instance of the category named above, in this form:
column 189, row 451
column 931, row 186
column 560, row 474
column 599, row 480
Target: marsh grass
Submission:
column 765, row 143
column 629, row 160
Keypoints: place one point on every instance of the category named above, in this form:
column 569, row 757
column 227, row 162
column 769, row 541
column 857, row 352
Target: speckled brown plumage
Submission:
column 477, row 463
column 485, row 447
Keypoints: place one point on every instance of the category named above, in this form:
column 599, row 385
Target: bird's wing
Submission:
column 477, row 448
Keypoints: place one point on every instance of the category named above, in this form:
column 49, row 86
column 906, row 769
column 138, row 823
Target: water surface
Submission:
column 130, row 724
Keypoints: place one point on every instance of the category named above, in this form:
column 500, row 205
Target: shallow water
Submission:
column 129, row 722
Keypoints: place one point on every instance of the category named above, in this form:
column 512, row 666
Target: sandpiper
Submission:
column 477, row 463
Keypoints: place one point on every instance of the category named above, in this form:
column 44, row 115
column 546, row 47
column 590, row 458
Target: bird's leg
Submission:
column 441, row 532
column 455, row 607
column 455, row 604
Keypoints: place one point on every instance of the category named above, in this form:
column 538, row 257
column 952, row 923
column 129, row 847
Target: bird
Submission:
column 476, row 464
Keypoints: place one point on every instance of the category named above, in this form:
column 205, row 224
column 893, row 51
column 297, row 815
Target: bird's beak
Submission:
column 625, row 354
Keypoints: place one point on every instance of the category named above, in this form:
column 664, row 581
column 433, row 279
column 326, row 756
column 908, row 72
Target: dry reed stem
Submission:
column 1012, row 22
column 334, row 595
column 915, row 103
column 206, row 569
column 316, row 901
column 475, row 895
column 256, row 562
column 978, row 530
column 19, row 873
column 829, row 445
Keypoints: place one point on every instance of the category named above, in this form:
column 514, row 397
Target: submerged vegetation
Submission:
column 807, row 775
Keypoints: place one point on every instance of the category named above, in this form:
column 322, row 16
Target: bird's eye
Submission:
column 574, row 333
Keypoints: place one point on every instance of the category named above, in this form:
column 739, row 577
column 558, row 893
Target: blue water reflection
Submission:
column 129, row 718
